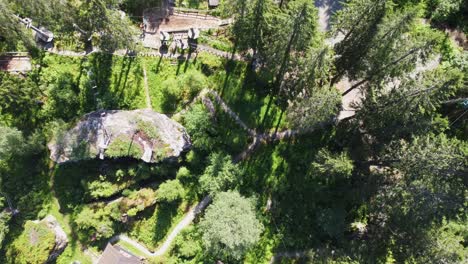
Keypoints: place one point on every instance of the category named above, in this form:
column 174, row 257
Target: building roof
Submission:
column 114, row 254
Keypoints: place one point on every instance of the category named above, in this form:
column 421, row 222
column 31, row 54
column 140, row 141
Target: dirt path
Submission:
column 187, row 220
column 147, row 94
column 326, row 8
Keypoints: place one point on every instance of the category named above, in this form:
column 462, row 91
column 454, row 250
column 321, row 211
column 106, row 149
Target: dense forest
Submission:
column 321, row 131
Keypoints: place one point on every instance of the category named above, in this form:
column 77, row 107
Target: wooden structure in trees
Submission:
column 41, row 33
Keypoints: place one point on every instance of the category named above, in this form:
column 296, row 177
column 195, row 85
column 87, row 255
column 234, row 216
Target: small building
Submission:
column 213, row 3
column 114, row 254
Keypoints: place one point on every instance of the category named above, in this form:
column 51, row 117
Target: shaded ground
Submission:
column 326, row 9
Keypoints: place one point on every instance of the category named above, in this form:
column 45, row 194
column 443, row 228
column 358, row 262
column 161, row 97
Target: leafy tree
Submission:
column 12, row 32
column 11, row 142
column 380, row 45
column 199, row 125
column 4, row 221
column 333, row 165
column 93, row 223
column 100, row 20
column 229, row 226
column 449, row 11
column 220, row 175
column 294, row 33
column 409, row 108
column 19, row 98
column 427, row 186
column 322, row 105
column 170, row 191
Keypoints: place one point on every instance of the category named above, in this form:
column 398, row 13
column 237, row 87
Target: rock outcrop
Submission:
column 142, row 134
column 61, row 240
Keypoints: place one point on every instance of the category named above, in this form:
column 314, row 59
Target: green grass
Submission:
column 220, row 43
column 98, row 81
column 152, row 228
column 135, row 251
column 124, row 147
column 73, row 251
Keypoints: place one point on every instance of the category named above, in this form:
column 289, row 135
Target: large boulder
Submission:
column 40, row 242
column 141, row 134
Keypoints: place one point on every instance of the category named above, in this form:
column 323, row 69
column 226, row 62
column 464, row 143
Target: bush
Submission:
column 187, row 244
column 200, row 128
column 182, row 89
column 124, row 147
column 148, row 129
column 94, row 222
column 170, row 191
column 183, row 174
column 220, row 175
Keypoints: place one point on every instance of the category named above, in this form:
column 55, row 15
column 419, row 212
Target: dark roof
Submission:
column 213, row 2
column 117, row 255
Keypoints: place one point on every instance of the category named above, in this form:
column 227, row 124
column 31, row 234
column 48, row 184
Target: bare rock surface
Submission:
column 141, row 134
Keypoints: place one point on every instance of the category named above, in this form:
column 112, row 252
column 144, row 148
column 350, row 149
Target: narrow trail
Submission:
column 147, row 94
column 187, row 220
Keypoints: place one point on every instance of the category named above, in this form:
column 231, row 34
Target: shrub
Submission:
column 220, row 175
column 170, row 191
column 124, row 147
column 148, row 129
column 94, row 222
column 183, row 174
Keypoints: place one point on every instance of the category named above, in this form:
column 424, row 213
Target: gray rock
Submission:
column 142, row 134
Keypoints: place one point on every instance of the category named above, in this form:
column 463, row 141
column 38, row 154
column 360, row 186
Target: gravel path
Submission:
column 187, row 220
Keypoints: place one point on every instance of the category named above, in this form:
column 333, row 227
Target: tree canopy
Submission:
column 230, row 226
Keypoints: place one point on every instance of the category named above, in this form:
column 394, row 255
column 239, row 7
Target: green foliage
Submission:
column 124, row 147
column 34, row 245
column 19, row 99
column 410, row 109
column 13, row 33
column 199, row 126
column 187, row 245
column 220, row 175
column 452, row 12
column 229, row 226
column 93, row 223
column 321, row 106
column 170, row 191
column 11, row 142
column 153, row 226
column 148, row 129
column 137, row 201
column 4, row 225
column 107, row 185
column 182, row 89
column 183, row 174
column 333, row 165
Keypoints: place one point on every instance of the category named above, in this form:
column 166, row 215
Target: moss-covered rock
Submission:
column 140, row 134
